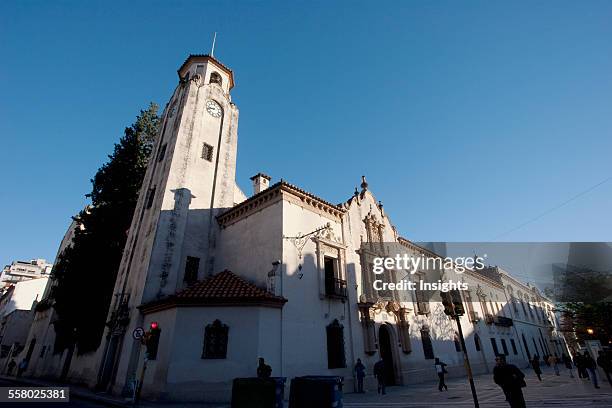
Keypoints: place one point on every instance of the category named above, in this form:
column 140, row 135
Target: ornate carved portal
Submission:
column 369, row 310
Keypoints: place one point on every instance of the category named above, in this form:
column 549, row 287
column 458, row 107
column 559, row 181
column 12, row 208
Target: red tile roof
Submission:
column 223, row 289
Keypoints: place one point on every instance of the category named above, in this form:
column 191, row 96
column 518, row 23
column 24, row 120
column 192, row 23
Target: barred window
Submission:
column 335, row 345
column 215, row 340
column 207, row 152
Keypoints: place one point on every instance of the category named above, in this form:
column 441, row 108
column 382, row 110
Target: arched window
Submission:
column 335, row 345
column 215, row 78
column 427, row 345
column 215, row 340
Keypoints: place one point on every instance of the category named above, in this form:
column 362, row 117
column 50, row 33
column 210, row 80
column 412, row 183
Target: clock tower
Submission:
column 190, row 179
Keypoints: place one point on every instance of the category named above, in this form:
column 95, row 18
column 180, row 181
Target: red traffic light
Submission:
column 154, row 325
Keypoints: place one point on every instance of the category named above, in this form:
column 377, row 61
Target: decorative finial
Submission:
column 356, row 192
column 380, row 205
column 364, row 183
column 212, row 51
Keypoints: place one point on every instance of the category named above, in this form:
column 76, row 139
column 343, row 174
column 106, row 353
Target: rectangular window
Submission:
column 504, row 346
column 150, row 197
column 42, row 351
column 162, row 153
column 207, row 152
column 215, row 340
column 513, row 344
column 334, row 286
column 335, row 345
column 191, row 269
column 199, row 69
column 494, row 345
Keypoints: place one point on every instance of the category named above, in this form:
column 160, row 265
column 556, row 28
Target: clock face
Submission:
column 213, row 108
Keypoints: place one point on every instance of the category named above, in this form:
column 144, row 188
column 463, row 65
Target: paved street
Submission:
column 555, row 391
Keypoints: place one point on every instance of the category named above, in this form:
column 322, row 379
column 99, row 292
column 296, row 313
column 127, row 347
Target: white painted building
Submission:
column 43, row 361
column 282, row 274
column 16, row 314
column 19, row 271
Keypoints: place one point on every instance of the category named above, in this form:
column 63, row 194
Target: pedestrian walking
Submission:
column 379, row 373
column 359, row 374
column 604, row 362
column 554, row 362
column 535, row 364
column 591, row 367
column 511, row 380
column 441, row 371
column 263, row 370
column 568, row 364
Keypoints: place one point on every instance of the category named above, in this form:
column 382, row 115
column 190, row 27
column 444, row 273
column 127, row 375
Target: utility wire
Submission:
column 588, row 190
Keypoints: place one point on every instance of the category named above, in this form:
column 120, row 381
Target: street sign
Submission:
column 138, row 333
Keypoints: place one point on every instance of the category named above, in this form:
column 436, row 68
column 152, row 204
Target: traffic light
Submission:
column 447, row 302
column 457, row 303
column 453, row 306
column 152, row 340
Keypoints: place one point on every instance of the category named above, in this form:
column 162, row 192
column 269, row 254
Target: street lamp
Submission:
column 590, row 331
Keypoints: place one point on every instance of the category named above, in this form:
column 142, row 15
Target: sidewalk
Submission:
column 560, row 391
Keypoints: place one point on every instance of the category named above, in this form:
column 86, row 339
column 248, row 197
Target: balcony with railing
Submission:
column 503, row 321
column 335, row 288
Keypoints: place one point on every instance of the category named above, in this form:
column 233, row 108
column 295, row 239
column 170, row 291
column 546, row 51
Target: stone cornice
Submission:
column 273, row 194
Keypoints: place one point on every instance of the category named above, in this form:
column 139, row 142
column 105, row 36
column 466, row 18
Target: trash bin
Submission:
column 258, row 392
column 319, row 391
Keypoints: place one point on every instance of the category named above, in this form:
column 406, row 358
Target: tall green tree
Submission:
column 85, row 273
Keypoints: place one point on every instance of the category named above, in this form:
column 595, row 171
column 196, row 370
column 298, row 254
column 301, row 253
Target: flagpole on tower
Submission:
column 212, row 51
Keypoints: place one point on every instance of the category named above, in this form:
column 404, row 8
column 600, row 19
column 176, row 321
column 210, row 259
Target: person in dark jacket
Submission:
column 263, row 370
column 441, row 370
column 590, row 365
column 535, row 364
column 511, row 380
column 360, row 374
column 379, row 373
column 604, row 362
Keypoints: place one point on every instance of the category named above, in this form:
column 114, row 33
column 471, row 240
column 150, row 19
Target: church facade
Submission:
column 281, row 274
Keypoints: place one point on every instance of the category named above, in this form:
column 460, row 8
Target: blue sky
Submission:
column 468, row 118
